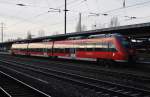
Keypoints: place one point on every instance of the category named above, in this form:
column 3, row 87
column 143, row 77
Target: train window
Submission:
column 90, row 46
column 125, row 42
column 59, row 50
column 30, row 49
column 42, row 50
column 72, row 50
column 112, row 47
column 89, row 49
column 54, row 50
column 24, row 49
column 49, row 50
column 98, row 46
column 66, row 50
column 98, row 49
column 63, row 50
column 81, row 46
column 80, row 49
column 105, row 45
column 101, row 46
column 36, row 50
column 97, row 36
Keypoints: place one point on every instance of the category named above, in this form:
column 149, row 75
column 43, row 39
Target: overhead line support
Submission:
column 65, row 24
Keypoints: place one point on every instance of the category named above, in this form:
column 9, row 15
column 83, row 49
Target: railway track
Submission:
column 3, row 93
column 94, row 72
column 102, row 88
column 12, row 87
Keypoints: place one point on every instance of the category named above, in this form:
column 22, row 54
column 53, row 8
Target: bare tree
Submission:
column 81, row 28
column 79, row 25
column 114, row 22
column 78, row 28
column 19, row 38
column 29, row 36
column 9, row 40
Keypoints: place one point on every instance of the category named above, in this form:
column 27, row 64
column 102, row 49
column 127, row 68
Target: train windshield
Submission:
column 125, row 42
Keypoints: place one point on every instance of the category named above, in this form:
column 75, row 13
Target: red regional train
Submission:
column 112, row 47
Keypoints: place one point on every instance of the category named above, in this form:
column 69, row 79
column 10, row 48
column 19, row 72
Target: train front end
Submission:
column 126, row 52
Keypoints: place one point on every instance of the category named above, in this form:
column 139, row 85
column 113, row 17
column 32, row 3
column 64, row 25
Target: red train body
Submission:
column 114, row 47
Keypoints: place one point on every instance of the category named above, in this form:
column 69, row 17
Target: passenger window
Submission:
column 112, row 47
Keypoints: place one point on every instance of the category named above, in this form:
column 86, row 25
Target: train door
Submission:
column 72, row 52
column 109, row 51
column 106, row 50
column 45, row 50
column 28, row 50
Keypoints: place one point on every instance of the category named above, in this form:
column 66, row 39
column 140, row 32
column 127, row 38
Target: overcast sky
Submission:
column 35, row 18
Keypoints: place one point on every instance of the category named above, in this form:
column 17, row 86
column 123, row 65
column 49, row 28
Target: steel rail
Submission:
column 32, row 89
column 124, row 75
column 90, row 83
column 4, row 92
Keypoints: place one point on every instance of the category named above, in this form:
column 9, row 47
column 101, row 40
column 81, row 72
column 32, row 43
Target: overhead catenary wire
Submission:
column 126, row 7
column 72, row 2
column 46, row 12
column 52, row 25
column 68, row 3
column 51, row 10
column 109, row 13
column 34, row 17
column 45, row 25
column 109, row 10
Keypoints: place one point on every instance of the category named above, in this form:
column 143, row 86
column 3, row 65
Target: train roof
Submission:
column 104, row 35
